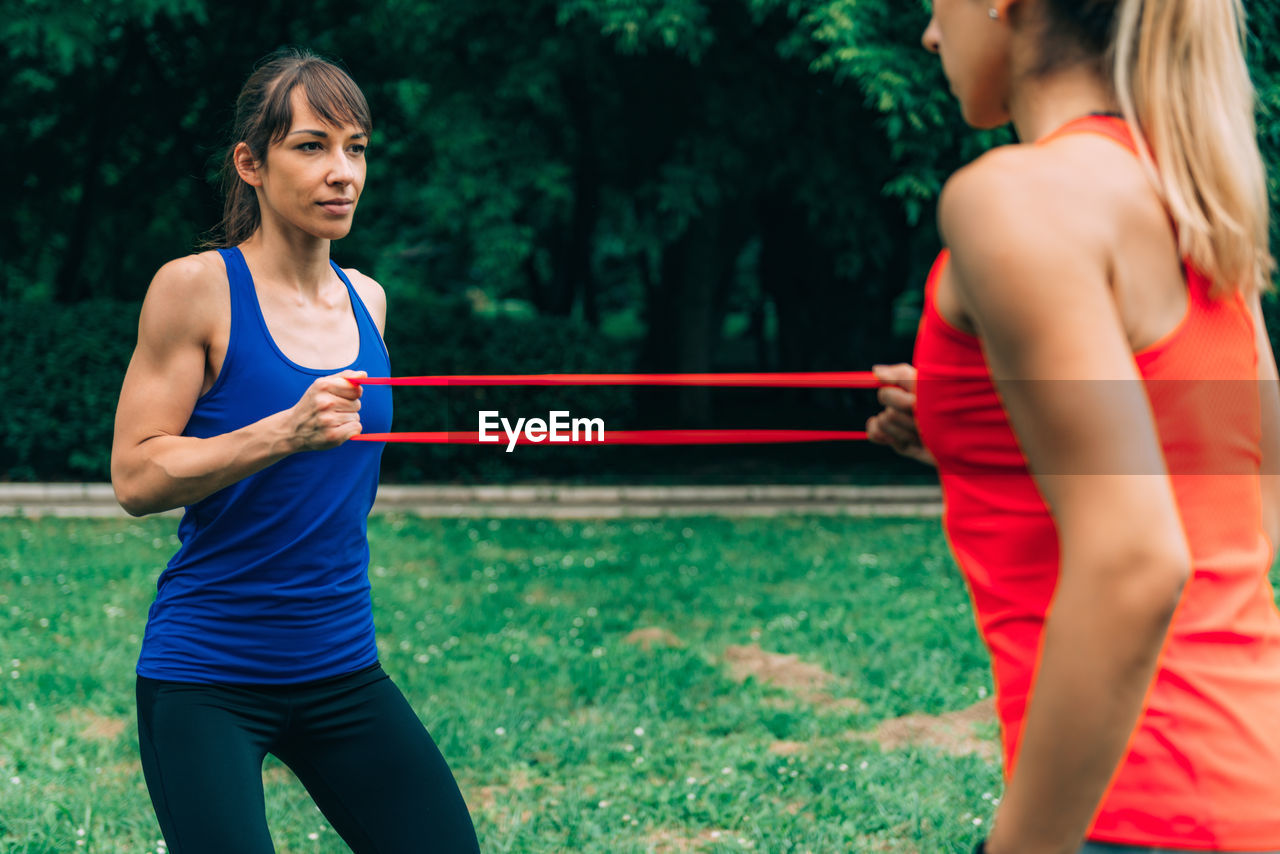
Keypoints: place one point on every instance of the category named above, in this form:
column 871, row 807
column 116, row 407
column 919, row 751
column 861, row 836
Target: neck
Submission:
column 1040, row 105
column 290, row 258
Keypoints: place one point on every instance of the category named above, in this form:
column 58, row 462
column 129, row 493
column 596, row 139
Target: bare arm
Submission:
column 153, row 466
column 1062, row 363
column 1269, row 389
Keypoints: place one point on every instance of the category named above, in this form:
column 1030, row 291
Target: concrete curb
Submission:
column 545, row 501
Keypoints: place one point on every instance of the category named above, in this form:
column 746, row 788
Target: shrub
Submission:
column 65, row 363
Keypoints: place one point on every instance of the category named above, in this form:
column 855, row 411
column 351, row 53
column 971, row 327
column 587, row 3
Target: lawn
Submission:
column 712, row 685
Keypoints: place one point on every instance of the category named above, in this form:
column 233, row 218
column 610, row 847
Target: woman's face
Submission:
column 313, row 177
column 974, row 48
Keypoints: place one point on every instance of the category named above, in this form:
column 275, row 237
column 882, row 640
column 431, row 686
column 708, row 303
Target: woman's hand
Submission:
column 896, row 425
column 328, row 414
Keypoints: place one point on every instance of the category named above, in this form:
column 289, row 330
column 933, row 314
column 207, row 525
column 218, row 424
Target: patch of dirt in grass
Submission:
column 826, row 702
column 95, row 727
column 890, row 846
column 277, row 775
column 790, row 673
column 650, row 636
column 489, row 798
column 954, row 733
column 787, row 748
column 775, row 668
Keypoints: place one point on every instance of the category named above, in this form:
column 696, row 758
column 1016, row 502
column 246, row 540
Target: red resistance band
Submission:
column 818, row 379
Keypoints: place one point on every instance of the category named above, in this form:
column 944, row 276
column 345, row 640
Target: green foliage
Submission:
column 63, row 369
column 435, row 336
column 678, row 168
column 66, row 364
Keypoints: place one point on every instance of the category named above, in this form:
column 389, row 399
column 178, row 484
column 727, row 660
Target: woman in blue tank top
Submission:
column 237, row 406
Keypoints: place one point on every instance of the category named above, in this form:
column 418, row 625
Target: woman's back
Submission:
column 1201, row 767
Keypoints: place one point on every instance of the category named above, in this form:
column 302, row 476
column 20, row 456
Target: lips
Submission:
column 338, row 206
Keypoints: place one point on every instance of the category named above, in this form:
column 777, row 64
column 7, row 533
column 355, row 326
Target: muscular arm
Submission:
column 1025, row 275
column 153, row 466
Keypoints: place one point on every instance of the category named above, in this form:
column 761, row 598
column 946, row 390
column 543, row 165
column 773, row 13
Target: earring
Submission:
column 993, row 14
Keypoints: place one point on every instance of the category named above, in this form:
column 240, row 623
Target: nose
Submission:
column 341, row 170
column 931, row 38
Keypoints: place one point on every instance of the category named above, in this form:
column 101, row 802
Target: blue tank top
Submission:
column 271, row 584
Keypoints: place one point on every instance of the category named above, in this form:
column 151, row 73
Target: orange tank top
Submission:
column 1203, row 766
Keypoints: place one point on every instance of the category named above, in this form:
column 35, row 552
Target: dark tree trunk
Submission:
column 685, row 311
column 69, row 283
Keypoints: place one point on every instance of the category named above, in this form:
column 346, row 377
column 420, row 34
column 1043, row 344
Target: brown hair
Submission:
column 263, row 117
column 1178, row 70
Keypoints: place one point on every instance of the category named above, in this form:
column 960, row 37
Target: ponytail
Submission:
column 1179, row 73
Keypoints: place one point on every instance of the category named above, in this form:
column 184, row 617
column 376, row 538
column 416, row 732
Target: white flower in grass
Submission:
column 977, row 821
column 500, row 730
column 603, row 805
column 844, row 766
column 691, row 780
column 313, row 836
column 638, row 730
column 17, row 781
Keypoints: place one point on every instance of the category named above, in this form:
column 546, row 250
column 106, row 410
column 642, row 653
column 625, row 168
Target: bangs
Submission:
column 330, row 93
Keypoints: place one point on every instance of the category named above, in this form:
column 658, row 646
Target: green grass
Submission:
column 509, row 639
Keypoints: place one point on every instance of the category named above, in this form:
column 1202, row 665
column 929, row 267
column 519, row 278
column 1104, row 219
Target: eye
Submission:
column 306, row 146
column 358, row 149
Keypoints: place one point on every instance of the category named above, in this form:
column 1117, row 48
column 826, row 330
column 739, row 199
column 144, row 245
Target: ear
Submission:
column 1004, row 8
column 247, row 166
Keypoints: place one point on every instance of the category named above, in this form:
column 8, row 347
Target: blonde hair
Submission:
column 1179, row 72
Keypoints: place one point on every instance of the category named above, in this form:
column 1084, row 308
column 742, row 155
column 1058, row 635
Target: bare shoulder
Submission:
column 1009, row 196
column 191, row 278
column 188, row 296
column 1033, row 209
column 1075, row 194
column 371, row 294
column 1030, row 263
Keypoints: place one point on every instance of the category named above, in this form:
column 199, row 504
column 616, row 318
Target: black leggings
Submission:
column 354, row 742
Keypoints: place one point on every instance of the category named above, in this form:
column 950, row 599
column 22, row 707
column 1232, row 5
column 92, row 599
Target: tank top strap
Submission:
column 368, row 329
column 240, row 282
column 244, row 308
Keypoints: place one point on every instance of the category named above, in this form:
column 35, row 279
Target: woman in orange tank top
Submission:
column 1093, row 380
